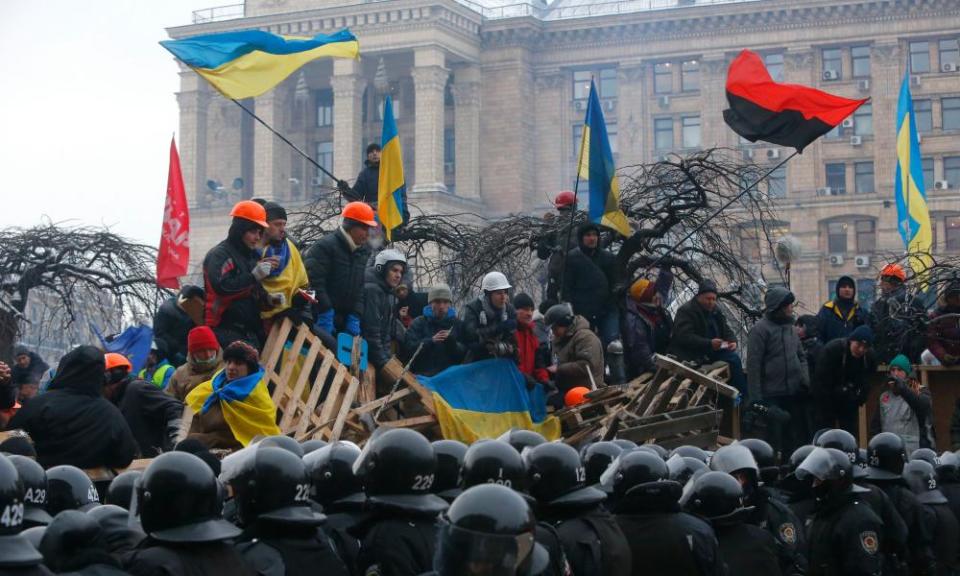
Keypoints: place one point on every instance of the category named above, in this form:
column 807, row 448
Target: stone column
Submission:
column 348, row 85
column 194, row 100
column 466, row 114
column 429, row 81
column 634, row 122
column 713, row 77
column 271, row 155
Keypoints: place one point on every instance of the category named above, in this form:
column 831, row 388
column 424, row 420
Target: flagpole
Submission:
column 573, row 214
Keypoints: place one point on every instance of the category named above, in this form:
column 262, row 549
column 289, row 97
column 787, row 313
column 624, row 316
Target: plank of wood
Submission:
column 278, row 337
column 409, row 422
column 295, row 397
column 671, row 427
column 335, row 396
column 389, row 400
column 707, row 440
column 318, row 383
column 698, row 377
column 290, row 363
column 663, row 397
column 345, row 407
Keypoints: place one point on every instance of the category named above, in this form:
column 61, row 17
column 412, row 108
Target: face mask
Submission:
column 205, row 363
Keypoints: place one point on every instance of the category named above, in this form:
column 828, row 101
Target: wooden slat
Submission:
column 643, row 400
column 295, row 401
column 345, row 407
column 315, row 392
column 334, row 397
column 706, row 440
column 278, row 337
column 671, row 427
column 409, row 422
column 663, row 396
column 698, row 377
column 291, row 362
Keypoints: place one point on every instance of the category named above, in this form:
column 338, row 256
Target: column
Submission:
column 348, row 149
column 466, row 114
column 430, row 82
column 194, row 100
column 713, row 99
column 271, row 160
column 633, row 121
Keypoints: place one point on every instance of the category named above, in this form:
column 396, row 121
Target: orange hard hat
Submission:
column 361, row 212
column 250, row 210
column 564, row 199
column 114, row 360
column 894, row 270
column 576, row 396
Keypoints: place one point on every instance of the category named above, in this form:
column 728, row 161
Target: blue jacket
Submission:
column 834, row 324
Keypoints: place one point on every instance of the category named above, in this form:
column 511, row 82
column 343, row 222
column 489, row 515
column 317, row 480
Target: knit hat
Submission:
column 201, row 338
column 846, row 281
column 240, row 351
column 642, row 290
column 810, row 324
column 862, row 334
column 439, row 292
column 523, row 300
column 706, row 286
column 902, row 362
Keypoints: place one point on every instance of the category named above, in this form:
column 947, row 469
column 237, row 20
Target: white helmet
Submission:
column 494, row 281
column 387, row 256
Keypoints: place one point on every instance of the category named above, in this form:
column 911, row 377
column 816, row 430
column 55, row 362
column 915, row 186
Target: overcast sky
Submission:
column 88, row 109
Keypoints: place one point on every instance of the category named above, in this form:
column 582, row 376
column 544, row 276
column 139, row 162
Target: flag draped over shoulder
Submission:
column 913, row 216
column 248, row 63
column 391, row 185
column 485, row 399
column 597, row 167
column 174, row 253
column 246, row 404
column 785, row 114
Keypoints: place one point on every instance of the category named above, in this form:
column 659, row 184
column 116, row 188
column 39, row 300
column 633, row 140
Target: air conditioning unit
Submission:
column 773, row 154
column 948, row 67
column 863, row 85
column 663, row 158
column 862, row 261
column 836, row 259
column 316, row 181
column 580, row 105
column 825, row 191
column 847, row 123
column 831, row 75
column 664, row 101
column 856, row 140
column 914, row 80
column 941, row 185
column 610, row 105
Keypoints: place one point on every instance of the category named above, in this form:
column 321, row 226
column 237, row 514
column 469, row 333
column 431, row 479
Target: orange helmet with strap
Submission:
column 894, row 271
column 114, row 360
column 250, row 210
column 361, row 212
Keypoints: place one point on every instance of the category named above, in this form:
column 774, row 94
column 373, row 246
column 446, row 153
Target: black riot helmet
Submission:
column 886, row 455
column 179, row 500
column 450, row 455
column 555, row 477
column 490, row 530
column 766, row 458
column 492, row 462
column 798, row 456
column 833, row 471
column 15, row 550
column 639, row 482
column 927, row 455
column 34, row 480
column 596, row 459
column 689, row 451
column 120, row 491
column 285, row 442
column 32, row 535
column 309, row 446
column 121, row 532
column 73, row 541
column 520, row 438
column 398, row 468
column 949, row 469
column 624, row 443
column 271, row 484
column 737, row 460
column 655, row 449
column 716, row 496
column 682, row 468
column 332, row 480
column 921, row 478
column 845, row 442
column 69, row 488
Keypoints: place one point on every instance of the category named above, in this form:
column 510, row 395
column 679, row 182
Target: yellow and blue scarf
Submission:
column 246, row 404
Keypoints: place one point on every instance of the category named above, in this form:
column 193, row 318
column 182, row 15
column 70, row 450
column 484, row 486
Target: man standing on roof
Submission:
column 838, row 317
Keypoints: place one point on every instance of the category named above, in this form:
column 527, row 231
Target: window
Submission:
column 951, row 113
column 863, row 120
column 919, row 57
column 863, row 177
column 866, row 231
column 837, row 178
column 577, row 140
column 691, row 131
column 581, row 84
column 396, row 108
column 927, row 164
column 612, row 136
column 663, row 133
column 774, row 64
column 949, row 53
column 860, row 55
column 833, row 134
column 837, row 237
column 324, row 108
column 952, row 229
column 951, row 170
column 923, row 116
column 608, row 83
column 325, row 159
column 449, row 150
column 690, row 76
column 832, row 62
column 749, row 244
column 662, row 78
column 866, row 292
column 777, row 183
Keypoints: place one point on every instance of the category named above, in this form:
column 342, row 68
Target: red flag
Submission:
column 174, row 253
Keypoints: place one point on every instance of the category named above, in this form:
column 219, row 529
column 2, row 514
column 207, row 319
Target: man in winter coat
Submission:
column 897, row 319
column 335, row 266
column 943, row 330
column 175, row 318
column 838, row 317
column 379, row 322
column 645, row 327
column 366, row 186
column 28, row 369
column 591, row 281
column 904, row 407
column 807, row 327
column 283, row 283
column 578, row 350
column 72, row 423
column 552, row 246
column 489, row 322
column 438, row 330
column 204, row 358
column 232, row 272
column 842, row 381
column 777, row 366
column 533, row 356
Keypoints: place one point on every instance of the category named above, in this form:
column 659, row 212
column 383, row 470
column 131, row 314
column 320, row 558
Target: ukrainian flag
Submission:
column 248, row 63
column 913, row 216
column 596, row 166
column 391, row 186
column 485, row 399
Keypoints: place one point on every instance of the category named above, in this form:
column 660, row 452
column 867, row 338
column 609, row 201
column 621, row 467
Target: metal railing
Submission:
column 218, row 13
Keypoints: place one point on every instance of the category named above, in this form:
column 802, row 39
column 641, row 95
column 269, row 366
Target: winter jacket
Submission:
column 32, row 373
column 484, row 327
column 645, row 331
column 153, row 416
column 378, row 325
column 275, row 549
column 905, row 413
column 336, row 272
column 591, row 280
column 233, row 294
column 898, row 322
column 435, row 356
column 213, row 430
column 415, row 302
column 72, row 423
column 578, row 352
column 835, row 323
column 811, row 349
column 943, row 334
column 366, row 186
column 154, row 558
column 533, row 357
column 170, row 326
column 191, row 375
column 776, row 363
column 841, row 378
column 694, row 328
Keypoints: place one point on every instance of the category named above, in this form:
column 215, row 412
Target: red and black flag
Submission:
column 785, row 114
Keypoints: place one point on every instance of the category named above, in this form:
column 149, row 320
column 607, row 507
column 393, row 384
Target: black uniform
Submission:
column 748, row 549
column 547, row 536
column 340, row 523
column 919, row 522
column 153, row 416
column 845, row 539
column 154, row 558
column 285, row 550
column 894, row 536
column 671, row 543
column 946, row 541
column 592, row 540
column 951, row 491
column 397, row 544
column 780, row 521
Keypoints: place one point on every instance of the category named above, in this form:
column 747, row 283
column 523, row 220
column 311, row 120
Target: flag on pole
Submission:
column 391, row 186
column 174, row 253
column 913, row 217
column 786, row 114
column 596, row 166
column 248, row 63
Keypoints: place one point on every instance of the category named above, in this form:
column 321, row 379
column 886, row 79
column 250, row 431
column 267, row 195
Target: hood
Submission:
column 850, row 282
column 579, row 323
column 776, row 298
column 583, row 229
column 81, row 370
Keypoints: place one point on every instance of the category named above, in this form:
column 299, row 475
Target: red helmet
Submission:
column 576, row 396
column 894, row 270
column 565, row 199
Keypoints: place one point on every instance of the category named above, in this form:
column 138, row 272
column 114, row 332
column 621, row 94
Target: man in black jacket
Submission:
column 367, row 185
column 28, row 369
column 174, row 320
column 842, row 381
column 72, row 423
column 379, row 322
column 840, row 316
column 438, row 330
column 590, row 282
column 490, row 321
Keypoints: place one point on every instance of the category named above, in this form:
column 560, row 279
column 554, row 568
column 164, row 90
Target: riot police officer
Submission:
column 520, row 438
column 689, row 451
column 492, row 462
column 682, row 468
column 596, row 457
column 663, row 540
column 948, row 474
column 921, row 478
column 17, row 555
column 312, row 445
column 450, row 455
column 34, row 481
column 282, row 441
column 74, row 543
column 69, row 488
column 799, row 495
column 121, row 533
column 768, row 470
column 120, row 491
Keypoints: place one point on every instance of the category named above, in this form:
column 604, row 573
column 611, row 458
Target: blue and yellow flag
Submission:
column 596, row 166
column 248, row 63
column 245, row 402
column 392, row 185
column 913, row 217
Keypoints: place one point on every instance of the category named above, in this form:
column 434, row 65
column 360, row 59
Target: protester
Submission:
column 158, row 369
column 284, row 282
column 175, row 318
column 379, row 323
column 8, row 397
column 646, row 324
column 439, row 332
column 578, row 350
column 842, row 381
column 204, row 359
column 943, row 330
column 904, row 407
column 366, row 186
column 489, row 322
column 533, row 356
column 415, row 303
column 73, row 423
column 590, row 282
column 838, row 317
column 807, row 327
column 28, row 369
column 552, row 246
column 335, row 266
column 896, row 318
column 232, row 272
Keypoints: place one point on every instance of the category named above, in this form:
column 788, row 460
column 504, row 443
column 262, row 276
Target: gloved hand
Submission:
column 343, row 186
column 508, row 326
column 352, row 325
column 325, row 321
column 261, row 270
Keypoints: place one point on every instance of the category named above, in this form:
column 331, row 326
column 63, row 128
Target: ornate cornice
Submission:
column 427, row 78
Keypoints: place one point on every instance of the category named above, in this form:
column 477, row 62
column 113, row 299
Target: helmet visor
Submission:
column 468, row 553
column 817, row 465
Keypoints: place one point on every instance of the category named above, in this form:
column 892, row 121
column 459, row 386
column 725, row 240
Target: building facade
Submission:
column 489, row 99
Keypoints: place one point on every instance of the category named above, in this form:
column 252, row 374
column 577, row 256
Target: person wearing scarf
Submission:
column 646, row 326
column 204, row 359
column 234, row 406
column 838, row 317
column 283, row 283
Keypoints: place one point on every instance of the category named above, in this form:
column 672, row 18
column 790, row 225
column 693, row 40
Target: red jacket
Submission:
column 527, row 348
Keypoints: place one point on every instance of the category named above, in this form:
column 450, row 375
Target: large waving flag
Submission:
column 391, row 186
column 248, row 63
column 785, row 114
column 174, row 253
column 913, row 217
column 596, row 166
